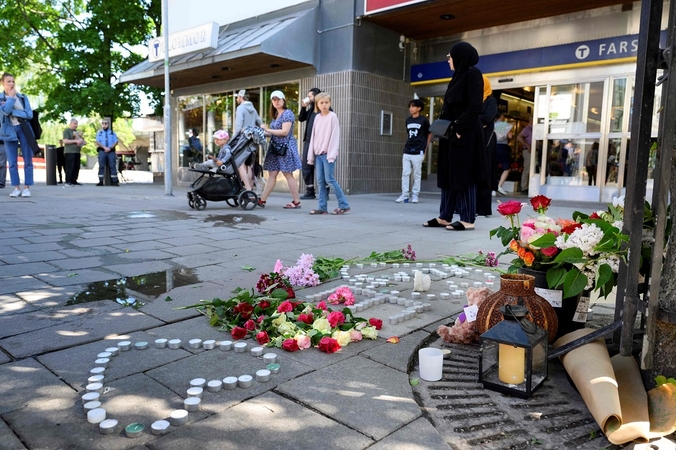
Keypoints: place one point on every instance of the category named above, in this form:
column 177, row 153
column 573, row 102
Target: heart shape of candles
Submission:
column 96, row 413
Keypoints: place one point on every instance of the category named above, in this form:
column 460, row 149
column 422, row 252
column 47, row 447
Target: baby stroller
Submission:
column 225, row 184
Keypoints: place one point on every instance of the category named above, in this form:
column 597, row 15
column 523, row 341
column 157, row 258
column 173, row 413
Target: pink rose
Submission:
column 285, row 306
column 509, row 208
column 250, row 325
column 336, row 318
column 550, row 251
column 355, row 335
column 304, row 342
column 322, row 305
column 263, row 338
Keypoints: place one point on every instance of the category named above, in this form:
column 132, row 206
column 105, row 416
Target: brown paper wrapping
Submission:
column 613, row 391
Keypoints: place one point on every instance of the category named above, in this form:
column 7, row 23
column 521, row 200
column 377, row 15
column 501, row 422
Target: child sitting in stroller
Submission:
column 212, row 164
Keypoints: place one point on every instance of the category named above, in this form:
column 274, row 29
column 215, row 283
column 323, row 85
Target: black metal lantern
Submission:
column 514, row 354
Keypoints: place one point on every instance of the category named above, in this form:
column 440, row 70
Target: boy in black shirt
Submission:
column 419, row 136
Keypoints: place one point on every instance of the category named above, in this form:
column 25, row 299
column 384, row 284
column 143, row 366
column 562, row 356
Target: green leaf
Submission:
column 71, row 275
column 168, row 299
column 248, row 268
column 571, row 256
column 279, row 294
column 555, row 277
column 604, row 274
column 213, row 320
column 574, row 283
column 546, row 240
column 414, row 381
column 660, row 380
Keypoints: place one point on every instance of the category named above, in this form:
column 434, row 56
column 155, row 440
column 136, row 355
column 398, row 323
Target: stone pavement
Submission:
column 53, row 245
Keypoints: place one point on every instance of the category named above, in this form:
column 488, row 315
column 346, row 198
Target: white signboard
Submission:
column 187, row 41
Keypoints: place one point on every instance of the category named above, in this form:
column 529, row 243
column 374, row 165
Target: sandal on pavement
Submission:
column 340, row 211
column 292, row 205
column 433, row 223
column 458, row 226
column 318, row 212
column 261, row 203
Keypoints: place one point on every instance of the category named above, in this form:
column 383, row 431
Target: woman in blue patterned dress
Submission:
column 281, row 131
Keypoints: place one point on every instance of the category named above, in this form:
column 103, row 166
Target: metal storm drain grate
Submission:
column 471, row 417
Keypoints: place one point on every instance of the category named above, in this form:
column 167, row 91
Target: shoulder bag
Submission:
column 279, row 148
column 441, row 128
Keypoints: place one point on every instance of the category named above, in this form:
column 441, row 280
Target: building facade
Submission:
column 572, row 74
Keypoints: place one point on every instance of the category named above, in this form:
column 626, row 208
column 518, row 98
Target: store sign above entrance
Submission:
column 376, row 6
column 566, row 56
column 187, row 41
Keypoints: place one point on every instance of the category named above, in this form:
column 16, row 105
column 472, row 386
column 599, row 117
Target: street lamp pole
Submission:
column 167, row 104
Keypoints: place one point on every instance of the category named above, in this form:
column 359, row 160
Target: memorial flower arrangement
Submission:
column 272, row 318
column 578, row 254
column 393, row 256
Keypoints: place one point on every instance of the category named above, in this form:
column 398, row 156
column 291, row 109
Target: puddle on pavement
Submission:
column 227, row 220
column 132, row 291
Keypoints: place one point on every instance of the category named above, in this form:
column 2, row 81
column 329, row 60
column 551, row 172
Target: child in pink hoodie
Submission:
column 323, row 151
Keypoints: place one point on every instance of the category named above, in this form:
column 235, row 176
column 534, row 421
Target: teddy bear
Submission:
column 463, row 331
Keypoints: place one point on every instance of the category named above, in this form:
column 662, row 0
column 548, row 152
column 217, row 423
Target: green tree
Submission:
column 72, row 51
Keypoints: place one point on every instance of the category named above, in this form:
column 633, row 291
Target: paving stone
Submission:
column 11, row 304
column 82, row 329
column 138, row 237
column 60, row 231
column 147, row 255
column 40, row 247
column 265, row 422
column 60, row 422
column 4, row 358
column 216, row 365
column 194, row 249
column 79, row 276
column 73, row 364
column 6, row 241
column 9, row 440
column 11, row 285
column 27, row 382
column 49, row 296
column 135, row 269
column 397, row 356
column 78, row 263
column 182, row 296
column 86, row 243
column 146, row 245
column 17, row 270
column 23, row 257
column 195, row 328
column 84, row 253
column 417, row 435
column 349, row 393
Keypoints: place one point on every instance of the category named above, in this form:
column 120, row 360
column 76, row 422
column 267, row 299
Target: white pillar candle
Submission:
column 208, row 344
column 198, row 382
column 240, row 347
column 263, row 376
column 192, row 404
column 94, row 387
column 91, row 405
column 431, row 363
column 174, row 344
column 444, row 295
column 415, row 295
column 214, row 385
column 114, row 351
column 245, row 381
column 270, row 358
column 230, row 382
column 96, row 415
column 124, row 345
column 195, row 343
column 225, row 345
column 195, row 392
column 90, row 397
column 95, row 379
column 104, row 355
column 161, row 343
column 102, row 362
column 141, row 345
column 431, row 297
column 257, row 351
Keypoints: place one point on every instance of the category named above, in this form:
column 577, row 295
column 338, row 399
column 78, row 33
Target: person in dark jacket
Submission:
column 484, row 196
column 461, row 163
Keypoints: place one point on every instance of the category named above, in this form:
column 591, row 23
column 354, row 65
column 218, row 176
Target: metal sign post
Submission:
column 168, row 171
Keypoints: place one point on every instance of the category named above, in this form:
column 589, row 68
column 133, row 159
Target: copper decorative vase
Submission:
column 518, row 289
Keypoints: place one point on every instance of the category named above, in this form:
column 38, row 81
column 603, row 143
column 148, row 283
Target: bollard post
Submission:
column 50, row 164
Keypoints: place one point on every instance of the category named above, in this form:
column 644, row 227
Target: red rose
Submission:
column 550, row 251
column 250, row 325
column 290, row 345
column 285, row 306
column 306, row 318
column 238, row 333
column 540, row 203
column 594, row 215
column 245, row 310
column 336, row 318
column 377, row 323
column 290, row 293
column 509, row 208
column 322, row 305
column 264, row 304
column 570, row 228
column 329, row 345
column 263, row 337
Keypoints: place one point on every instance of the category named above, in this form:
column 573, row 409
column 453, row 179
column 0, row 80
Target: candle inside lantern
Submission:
column 511, row 364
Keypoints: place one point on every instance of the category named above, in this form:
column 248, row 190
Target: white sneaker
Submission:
column 25, row 193
column 414, row 199
column 16, row 193
column 502, row 191
column 402, row 198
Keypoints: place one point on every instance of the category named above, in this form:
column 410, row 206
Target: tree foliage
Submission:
column 71, row 52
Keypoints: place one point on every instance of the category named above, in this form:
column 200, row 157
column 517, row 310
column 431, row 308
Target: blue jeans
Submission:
column 12, row 148
column 324, row 170
column 111, row 159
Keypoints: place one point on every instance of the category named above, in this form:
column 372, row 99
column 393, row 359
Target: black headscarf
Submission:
column 464, row 56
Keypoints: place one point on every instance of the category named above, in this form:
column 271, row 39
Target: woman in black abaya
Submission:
column 461, row 164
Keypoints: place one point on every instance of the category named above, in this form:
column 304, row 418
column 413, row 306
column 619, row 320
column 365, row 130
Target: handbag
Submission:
column 278, row 148
column 28, row 132
column 441, row 128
